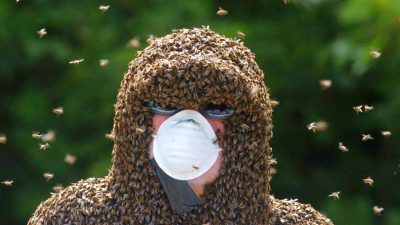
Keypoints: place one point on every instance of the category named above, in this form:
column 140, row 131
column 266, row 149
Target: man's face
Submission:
column 217, row 126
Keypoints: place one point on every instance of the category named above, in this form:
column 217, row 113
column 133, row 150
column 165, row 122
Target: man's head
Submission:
column 198, row 183
column 193, row 68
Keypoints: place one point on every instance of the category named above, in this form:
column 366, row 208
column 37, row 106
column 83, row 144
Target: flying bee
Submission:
column 44, row 146
column 58, row 111
column 342, row 147
column 48, row 176
column 274, row 103
column 312, row 127
column 321, row 125
column 42, row 32
column 221, row 11
column 76, row 61
column 110, row 136
column 3, row 139
column 368, row 181
column 240, row 35
column 133, row 43
column 36, row 135
column 103, row 62
column 50, row 136
column 358, row 109
column 375, row 54
column 104, row 8
column 377, row 210
column 366, row 137
column 8, row 183
column 325, row 84
column 386, row 133
column 58, row 187
column 335, row 195
column 70, row 159
column 368, row 108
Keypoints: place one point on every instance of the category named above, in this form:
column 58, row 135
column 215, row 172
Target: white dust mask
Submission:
column 185, row 145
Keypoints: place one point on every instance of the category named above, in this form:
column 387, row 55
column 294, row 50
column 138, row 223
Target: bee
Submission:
column 104, row 8
column 368, row 108
column 366, row 137
column 133, row 43
column 358, row 109
column 3, row 139
column 58, row 187
column 17, row 1
column 286, row 1
column 36, row 135
column 342, row 147
column 335, row 195
column 221, row 11
column 151, row 38
column 70, row 159
column 377, row 210
column 312, row 127
column 321, row 125
column 103, row 62
column 76, row 61
column 274, row 103
column 42, row 32
column 139, row 131
column 375, row 54
column 386, row 133
column 58, row 111
column 368, row 181
column 110, row 136
column 50, row 136
column 325, row 84
column 8, row 183
column 44, row 146
column 48, row 176
column 195, row 167
column 240, row 35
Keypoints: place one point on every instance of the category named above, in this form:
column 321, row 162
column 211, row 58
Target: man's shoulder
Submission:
column 285, row 212
column 75, row 203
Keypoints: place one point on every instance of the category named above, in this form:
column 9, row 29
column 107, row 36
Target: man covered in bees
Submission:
column 191, row 143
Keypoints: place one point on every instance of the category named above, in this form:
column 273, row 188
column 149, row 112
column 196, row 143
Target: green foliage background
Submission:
column 296, row 45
